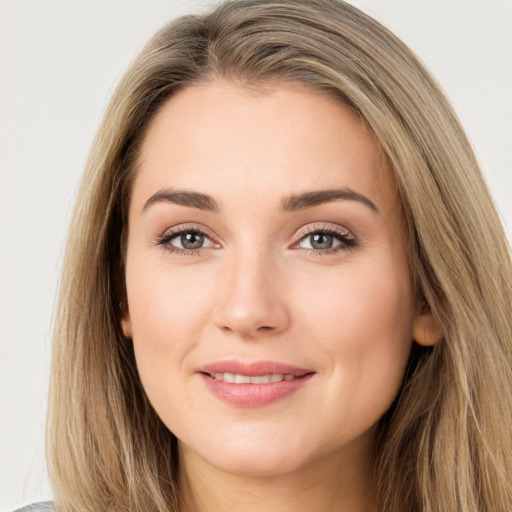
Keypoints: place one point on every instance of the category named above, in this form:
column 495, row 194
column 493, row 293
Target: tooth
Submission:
column 260, row 379
column 237, row 378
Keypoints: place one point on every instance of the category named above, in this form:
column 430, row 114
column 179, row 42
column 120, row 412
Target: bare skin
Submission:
column 265, row 226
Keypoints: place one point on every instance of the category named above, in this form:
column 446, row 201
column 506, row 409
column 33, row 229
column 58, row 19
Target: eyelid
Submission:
column 190, row 226
column 327, row 227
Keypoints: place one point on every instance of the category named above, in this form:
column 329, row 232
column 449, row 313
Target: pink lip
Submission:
column 253, row 395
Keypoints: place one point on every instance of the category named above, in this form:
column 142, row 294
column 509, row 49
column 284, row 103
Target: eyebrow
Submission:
column 291, row 203
column 309, row 199
column 183, row 198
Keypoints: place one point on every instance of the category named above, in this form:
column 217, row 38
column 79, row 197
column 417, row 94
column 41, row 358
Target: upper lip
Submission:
column 253, row 369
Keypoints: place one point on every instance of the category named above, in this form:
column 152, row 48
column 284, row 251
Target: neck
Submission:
column 336, row 483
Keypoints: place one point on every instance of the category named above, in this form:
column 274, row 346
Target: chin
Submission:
column 262, row 466
column 250, row 458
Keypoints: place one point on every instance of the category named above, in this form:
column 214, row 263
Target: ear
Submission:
column 126, row 322
column 121, row 294
column 426, row 331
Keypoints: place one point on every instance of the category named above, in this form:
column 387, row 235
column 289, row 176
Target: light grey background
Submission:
column 59, row 63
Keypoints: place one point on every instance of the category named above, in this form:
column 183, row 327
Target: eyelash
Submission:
column 346, row 239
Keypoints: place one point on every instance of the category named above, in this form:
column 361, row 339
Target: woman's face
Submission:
column 269, row 294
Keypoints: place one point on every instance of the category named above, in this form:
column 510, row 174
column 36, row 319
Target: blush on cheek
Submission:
column 164, row 302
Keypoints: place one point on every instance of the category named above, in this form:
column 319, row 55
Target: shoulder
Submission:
column 43, row 506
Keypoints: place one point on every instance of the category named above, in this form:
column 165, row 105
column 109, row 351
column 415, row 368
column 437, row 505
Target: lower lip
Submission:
column 253, row 395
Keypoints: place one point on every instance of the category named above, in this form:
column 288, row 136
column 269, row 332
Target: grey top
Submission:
column 43, row 506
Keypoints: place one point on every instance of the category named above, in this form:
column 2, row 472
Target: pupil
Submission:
column 192, row 240
column 321, row 241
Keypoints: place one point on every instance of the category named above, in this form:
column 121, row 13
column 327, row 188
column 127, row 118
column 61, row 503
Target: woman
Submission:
column 286, row 285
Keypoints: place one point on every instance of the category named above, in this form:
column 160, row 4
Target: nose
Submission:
column 251, row 300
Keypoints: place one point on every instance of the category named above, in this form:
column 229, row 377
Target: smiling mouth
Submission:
column 237, row 378
column 253, row 385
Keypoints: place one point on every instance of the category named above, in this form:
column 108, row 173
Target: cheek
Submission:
column 362, row 322
column 360, row 304
column 165, row 298
column 168, row 312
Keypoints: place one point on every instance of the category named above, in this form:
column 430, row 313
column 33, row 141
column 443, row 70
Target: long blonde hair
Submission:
column 446, row 444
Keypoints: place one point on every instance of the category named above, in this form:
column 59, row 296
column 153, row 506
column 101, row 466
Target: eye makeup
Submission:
column 316, row 239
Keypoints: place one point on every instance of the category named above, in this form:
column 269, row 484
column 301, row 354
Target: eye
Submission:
column 319, row 241
column 189, row 240
column 185, row 240
column 326, row 240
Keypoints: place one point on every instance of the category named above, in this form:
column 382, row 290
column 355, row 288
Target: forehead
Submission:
column 222, row 138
